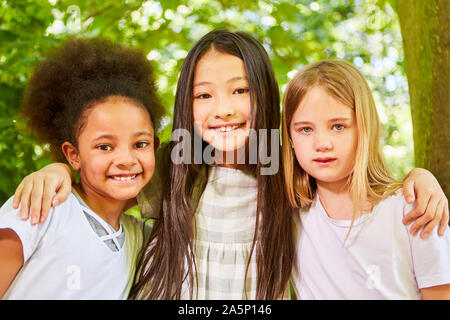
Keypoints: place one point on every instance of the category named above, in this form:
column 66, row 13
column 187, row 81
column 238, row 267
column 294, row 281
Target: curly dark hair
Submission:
column 78, row 75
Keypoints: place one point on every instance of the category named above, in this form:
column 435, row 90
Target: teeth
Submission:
column 228, row 128
column 123, row 178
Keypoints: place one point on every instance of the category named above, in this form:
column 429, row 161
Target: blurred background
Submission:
column 294, row 33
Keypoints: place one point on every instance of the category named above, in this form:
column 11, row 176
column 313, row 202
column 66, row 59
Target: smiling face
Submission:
column 221, row 105
column 324, row 135
column 115, row 153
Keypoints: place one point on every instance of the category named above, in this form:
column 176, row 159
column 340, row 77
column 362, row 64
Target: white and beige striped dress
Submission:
column 225, row 226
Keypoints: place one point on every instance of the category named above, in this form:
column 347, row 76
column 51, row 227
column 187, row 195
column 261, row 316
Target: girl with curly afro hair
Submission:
column 95, row 103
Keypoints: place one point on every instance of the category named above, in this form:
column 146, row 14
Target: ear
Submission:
column 71, row 154
column 156, row 143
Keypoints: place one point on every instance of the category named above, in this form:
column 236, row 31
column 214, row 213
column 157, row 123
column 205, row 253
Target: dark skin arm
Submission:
column 11, row 258
column 436, row 293
column 431, row 208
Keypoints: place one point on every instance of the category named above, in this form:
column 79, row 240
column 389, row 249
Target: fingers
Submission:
column 434, row 222
column 431, row 204
column 62, row 194
column 44, row 196
column 419, row 210
column 445, row 217
column 52, row 199
column 428, row 214
column 411, row 216
column 17, row 195
column 408, row 191
column 47, row 198
column 35, row 195
column 25, row 200
column 36, row 200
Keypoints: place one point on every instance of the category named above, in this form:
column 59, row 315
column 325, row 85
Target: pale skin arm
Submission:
column 11, row 258
column 39, row 189
column 436, row 293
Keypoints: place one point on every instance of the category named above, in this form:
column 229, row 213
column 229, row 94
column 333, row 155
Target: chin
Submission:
column 123, row 195
column 328, row 179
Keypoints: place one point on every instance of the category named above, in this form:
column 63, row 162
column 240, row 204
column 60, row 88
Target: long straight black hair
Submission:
column 169, row 258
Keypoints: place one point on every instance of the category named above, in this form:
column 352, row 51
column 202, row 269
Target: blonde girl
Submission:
column 351, row 241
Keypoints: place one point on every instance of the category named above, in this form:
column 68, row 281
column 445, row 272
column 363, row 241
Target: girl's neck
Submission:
column 108, row 209
column 336, row 199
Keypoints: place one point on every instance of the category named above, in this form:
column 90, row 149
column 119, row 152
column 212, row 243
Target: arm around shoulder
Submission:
column 431, row 207
column 41, row 190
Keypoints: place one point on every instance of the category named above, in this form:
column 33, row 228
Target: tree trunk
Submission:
column 426, row 42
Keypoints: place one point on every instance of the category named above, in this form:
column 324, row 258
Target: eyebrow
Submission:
column 143, row 133
column 228, row 81
column 340, row 119
column 330, row 120
column 112, row 137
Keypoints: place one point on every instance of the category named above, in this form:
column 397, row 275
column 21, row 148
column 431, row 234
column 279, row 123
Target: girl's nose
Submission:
column 127, row 162
column 225, row 108
column 323, row 142
column 125, row 158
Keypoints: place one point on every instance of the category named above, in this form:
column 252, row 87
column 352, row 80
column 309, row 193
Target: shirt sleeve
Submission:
column 29, row 235
column 431, row 257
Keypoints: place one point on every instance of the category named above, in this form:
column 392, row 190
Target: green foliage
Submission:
column 294, row 33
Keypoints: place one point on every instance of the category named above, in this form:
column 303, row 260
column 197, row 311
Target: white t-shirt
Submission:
column 380, row 259
column 65, row 259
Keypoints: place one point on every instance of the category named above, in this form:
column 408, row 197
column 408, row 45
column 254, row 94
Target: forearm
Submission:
column 66, row 169
column 436, row 293
column 11, row 258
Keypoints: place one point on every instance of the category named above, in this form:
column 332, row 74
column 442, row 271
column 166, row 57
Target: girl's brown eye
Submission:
column 104, row 147
column 203, row 96
column 241, row 90
column 141, row 144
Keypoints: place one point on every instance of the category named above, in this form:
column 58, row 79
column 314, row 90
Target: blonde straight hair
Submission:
column 370, row 180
